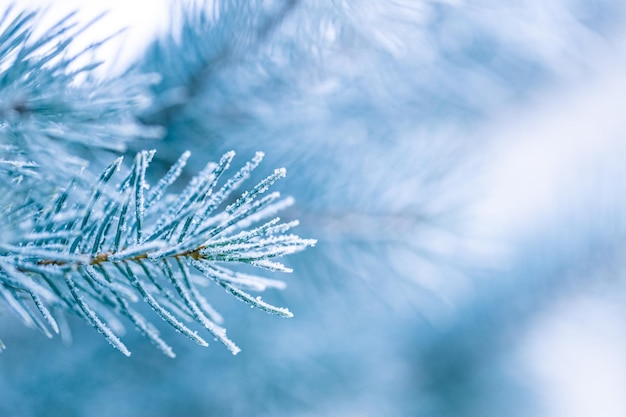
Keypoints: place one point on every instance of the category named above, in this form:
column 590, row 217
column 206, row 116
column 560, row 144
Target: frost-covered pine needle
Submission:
column 98, row 254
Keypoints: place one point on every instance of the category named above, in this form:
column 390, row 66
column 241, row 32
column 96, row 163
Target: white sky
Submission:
column 142, row 18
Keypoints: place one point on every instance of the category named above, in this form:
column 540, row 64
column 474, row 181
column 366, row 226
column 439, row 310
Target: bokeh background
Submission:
column 460, row 163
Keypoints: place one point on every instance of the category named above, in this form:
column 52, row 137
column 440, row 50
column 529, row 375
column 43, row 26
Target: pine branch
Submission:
column 127, row 240
column 213, row 38
column 52, row 105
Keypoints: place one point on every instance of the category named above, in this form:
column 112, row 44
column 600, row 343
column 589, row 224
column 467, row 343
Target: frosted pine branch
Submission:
column 127, row 241
column 53, row 110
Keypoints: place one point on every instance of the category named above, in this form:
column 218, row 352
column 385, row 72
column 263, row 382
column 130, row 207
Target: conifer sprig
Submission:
column 52, row 104
column 98, row 255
